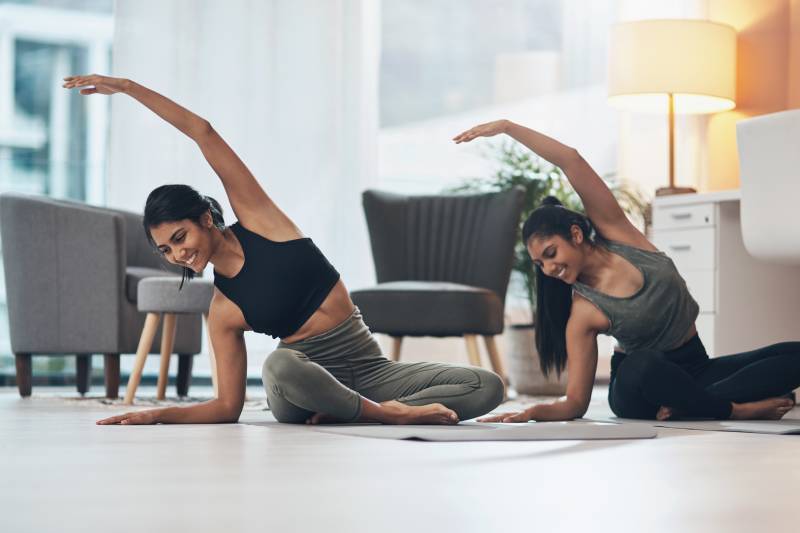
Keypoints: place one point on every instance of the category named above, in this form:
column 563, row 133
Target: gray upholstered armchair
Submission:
column 71, row 273
column 443, row 265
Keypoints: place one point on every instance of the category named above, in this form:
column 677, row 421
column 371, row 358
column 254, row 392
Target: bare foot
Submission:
column 769, row 409
column 435, row 413
column 664, row 413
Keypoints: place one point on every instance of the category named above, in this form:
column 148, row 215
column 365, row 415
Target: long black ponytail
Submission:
column 553, row 296
column 170, row 203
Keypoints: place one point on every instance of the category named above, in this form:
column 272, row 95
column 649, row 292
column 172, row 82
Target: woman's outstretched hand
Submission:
column 136, row 418
column 95, row 83
column 490, row 129
column 522, row 416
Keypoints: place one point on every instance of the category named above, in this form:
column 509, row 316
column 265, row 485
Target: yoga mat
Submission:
column 478, row 431
column 775, row 427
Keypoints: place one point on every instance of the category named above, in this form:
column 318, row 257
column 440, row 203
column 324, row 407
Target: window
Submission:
column 52, row 141
column 451, row 64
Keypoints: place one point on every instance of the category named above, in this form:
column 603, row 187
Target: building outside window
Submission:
column 52, row 141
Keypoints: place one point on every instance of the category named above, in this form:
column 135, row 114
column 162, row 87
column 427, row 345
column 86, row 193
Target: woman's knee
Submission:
column 626, row 401
column 279, row 365
column 491, row 388
column 641, row 366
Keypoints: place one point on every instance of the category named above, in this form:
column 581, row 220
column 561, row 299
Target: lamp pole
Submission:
column 672, row 189
column 671, row 140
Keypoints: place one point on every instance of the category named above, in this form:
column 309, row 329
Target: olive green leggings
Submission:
column 331, row 372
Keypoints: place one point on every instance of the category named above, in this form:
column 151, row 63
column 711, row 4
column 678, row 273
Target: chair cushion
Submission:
column 161, row 295
column 133, row 275
column 430, row 308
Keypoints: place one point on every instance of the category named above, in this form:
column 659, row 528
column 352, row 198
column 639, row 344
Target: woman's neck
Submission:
column 227, row 254
column 596, row 266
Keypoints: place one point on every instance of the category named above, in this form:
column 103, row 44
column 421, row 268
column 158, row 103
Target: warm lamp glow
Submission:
column 684, row 103
column 695, row 60
column 672, row 66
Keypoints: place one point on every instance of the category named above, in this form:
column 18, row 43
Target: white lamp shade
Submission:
column 695, row 60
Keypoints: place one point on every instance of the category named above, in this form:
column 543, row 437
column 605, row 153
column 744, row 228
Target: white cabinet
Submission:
column 744, row 303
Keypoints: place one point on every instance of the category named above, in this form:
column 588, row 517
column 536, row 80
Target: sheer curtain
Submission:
column 292, row 87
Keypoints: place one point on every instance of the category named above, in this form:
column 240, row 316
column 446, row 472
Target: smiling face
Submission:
column 184, row 242
column 558, row 257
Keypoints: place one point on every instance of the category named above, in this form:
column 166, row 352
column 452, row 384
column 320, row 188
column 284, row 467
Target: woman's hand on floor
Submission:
column 96, row 84
column 136, row 418
column 522, row 416
column 490, row 129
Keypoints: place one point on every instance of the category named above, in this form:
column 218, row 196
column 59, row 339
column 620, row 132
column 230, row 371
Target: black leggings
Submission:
column 696, row 386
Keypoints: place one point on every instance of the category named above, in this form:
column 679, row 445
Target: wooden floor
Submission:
column 61, row 472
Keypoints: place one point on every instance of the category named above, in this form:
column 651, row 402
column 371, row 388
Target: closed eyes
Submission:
column 176, row 239
column 548, row 254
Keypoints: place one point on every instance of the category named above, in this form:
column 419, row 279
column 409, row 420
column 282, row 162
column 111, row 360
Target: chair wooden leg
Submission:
column 24, row 373
column 184, row 374
column 397, row 343
column 167, row 343
column 83, row 368
column 145, row 343
column 211, row 358
column 111, row 368
column 472, row 350
column 496, row 359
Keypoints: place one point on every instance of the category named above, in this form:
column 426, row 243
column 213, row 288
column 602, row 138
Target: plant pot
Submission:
column 524, row 373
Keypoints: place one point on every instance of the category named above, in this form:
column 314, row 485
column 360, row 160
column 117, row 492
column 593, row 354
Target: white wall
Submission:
column 292, row 87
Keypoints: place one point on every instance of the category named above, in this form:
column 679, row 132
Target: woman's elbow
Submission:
column 202, row 130
column 572, row 157
column 578, row 408
column 230, row 412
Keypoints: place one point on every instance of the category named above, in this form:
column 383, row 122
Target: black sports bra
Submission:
column 280, row 285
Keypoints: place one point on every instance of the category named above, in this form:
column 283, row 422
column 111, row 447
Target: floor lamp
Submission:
column 672, row 66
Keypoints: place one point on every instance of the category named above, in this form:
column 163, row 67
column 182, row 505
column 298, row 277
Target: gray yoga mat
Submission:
column 478, row 431
column 775, row 427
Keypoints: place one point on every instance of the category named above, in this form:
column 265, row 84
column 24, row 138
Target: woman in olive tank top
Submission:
column 272, row 279
column 599, row 274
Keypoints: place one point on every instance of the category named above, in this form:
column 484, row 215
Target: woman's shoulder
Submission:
column 584, row 314
column 631, row 239
column 625, row 233
column 272, row 227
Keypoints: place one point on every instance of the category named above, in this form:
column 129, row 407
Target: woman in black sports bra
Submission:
column 272, row 279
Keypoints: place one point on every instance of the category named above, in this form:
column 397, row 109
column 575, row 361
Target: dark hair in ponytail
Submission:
column 553, row 296
column 171, row 203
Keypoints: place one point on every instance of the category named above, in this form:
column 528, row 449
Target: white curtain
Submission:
column 292, row 87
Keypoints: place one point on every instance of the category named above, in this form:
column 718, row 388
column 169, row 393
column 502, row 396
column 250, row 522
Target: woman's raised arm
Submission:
column 601, row 206
column 249, row 201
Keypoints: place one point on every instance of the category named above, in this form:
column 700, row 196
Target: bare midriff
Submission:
column 335, row 309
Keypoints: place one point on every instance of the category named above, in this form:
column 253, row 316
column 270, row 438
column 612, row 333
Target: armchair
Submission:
column 71, row 274
column 443, row 264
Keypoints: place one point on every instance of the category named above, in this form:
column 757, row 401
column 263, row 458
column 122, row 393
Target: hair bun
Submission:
column 551, row 200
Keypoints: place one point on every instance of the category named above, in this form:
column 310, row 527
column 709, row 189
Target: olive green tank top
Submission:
column 659, row 315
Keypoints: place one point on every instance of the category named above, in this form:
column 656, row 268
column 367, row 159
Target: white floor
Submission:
column 61, row 472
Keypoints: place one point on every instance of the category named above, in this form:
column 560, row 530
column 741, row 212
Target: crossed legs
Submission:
column 373, row 388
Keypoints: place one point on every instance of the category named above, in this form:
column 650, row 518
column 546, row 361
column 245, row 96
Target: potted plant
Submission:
column 518, row 166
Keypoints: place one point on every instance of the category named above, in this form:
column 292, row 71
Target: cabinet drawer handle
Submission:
column 681, row 246
column 681, row 215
